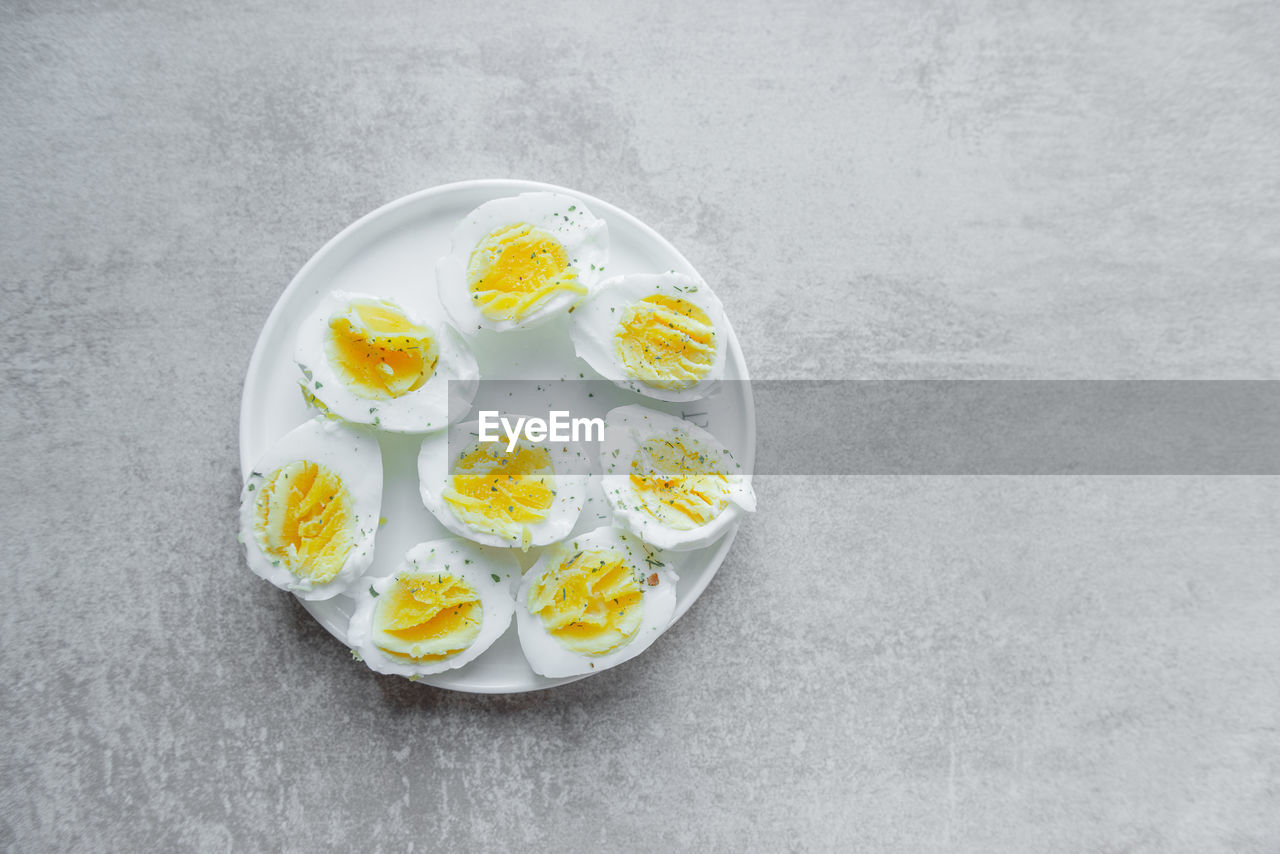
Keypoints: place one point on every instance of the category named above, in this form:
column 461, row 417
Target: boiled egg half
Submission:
column 368, row 360
column 309, row 508
column 662, row 335
column 592, row 602
column 496, row 494
column 519, row 261
column 673, row 484
column 446, row 603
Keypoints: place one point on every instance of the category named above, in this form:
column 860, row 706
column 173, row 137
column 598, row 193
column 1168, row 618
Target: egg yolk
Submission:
column 591, row 603
column 500, row 492
column 666, row 342
column 427, row 616
column 309, row 399
column 306, row 520
column 677, row 483
column 517, row 268
column 378, row 353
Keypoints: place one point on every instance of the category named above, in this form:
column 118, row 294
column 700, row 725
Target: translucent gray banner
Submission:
column 936, row 427
column 1017, row 427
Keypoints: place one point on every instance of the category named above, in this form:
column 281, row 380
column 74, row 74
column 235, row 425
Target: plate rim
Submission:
column 254, row 374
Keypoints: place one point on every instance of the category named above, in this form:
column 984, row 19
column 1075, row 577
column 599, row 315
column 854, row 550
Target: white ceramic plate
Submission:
column 392, row 252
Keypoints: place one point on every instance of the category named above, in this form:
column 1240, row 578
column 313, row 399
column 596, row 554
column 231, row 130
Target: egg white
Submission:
column 449, row 390
column 435, row 464
column 546, row 655
column 584, row 237
column 476, row 566
column 629, row 427
column 594, row 324
column 354, row 456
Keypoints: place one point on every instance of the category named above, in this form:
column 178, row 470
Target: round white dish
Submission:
column 392, row 252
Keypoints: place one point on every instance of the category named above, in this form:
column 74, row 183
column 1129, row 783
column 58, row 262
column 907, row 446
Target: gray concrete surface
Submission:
column 988, row 189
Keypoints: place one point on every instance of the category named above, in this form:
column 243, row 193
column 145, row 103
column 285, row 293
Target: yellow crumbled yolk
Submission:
column 677, row 483
column 666, row 342
column 311, row 400
column 378, row 353
column 427, row 616
column 500, row 492
column 306, row 520
column 517, row 268
column 591, row 602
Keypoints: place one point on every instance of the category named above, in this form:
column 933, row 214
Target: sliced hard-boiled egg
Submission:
column 662, row 335
column 309, row 509
column 369, row 360
column 592, row 602
column 443, row 606
column 520, row 496
column 670, row 482
column 519, row 261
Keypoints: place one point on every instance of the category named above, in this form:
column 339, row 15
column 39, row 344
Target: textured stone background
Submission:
column 1038, row 189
